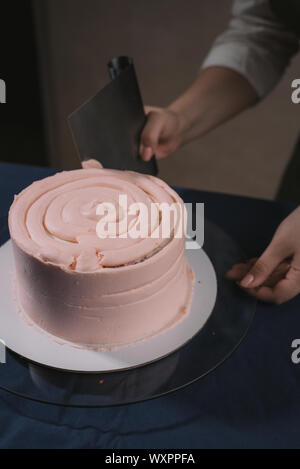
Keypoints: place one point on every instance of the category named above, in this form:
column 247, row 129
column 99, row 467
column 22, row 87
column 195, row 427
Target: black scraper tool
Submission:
column 108, row 126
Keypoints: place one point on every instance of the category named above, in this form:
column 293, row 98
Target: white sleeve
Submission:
column 256, row 45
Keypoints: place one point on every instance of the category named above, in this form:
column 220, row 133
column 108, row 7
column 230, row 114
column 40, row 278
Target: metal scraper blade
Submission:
column 108, row 126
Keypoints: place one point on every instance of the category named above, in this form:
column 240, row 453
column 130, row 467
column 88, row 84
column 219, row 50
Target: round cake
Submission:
column 85, row 283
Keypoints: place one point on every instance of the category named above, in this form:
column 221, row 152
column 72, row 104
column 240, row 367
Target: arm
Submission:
column 217, row 95
column 244, row 64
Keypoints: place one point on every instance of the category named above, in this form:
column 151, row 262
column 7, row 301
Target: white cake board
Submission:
column 39, row 347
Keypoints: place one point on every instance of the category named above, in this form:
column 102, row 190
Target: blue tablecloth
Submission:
column 251, row 401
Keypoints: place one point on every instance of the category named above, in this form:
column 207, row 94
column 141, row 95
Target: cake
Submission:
column 94, row 290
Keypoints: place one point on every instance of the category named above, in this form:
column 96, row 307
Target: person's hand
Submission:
column 275, row 276
column 162, row 133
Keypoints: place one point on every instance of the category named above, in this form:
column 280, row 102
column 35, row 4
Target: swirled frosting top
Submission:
column 55, row 219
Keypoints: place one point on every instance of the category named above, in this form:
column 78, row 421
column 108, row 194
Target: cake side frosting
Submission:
column 90, row 290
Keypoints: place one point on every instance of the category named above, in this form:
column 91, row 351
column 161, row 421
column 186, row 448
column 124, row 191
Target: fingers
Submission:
column 287, row 288
column 281, row 286
column 146, row 153
column 265, row 265
column 238, row 271
column 149, row 109
column 283, row 291
column 279, row 274
column 151, row 135
column 275, row 276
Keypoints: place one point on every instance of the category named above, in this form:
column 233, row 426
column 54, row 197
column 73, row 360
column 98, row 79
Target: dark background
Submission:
column 21, row 118
column 53, row 58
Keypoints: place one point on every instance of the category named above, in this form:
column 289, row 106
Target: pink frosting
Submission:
column 89, row 290
column 91, row 164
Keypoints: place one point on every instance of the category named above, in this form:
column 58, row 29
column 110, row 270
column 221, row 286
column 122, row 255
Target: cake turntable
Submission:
column 67, row 376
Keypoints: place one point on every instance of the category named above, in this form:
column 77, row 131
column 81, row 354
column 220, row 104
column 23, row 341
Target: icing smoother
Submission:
column 95, row 291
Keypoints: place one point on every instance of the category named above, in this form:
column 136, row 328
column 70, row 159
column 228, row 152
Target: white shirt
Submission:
column 256, row 45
